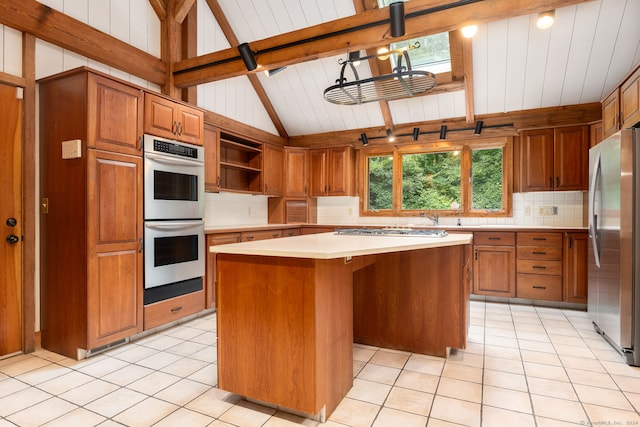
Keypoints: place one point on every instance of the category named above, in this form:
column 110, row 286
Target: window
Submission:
column 470, row 178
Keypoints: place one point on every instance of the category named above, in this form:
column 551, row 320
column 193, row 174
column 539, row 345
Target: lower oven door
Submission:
column 174, row 251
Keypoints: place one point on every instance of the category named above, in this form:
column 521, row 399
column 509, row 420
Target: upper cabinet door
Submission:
column 273, row 170
column 630, row 100
column 611, row 114
column 571, row 158
column 341, row 173
column 318, row 176
column 296, row 172
column 166, row 118
column 537, row 160
column 114, row 116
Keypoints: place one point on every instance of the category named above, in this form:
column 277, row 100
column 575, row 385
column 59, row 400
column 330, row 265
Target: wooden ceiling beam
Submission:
column 160, row 8
column 32, row 17
column 182, row 8
column 355, row 32
column 228, row 32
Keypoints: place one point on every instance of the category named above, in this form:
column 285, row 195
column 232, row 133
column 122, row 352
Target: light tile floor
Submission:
column 524, row 366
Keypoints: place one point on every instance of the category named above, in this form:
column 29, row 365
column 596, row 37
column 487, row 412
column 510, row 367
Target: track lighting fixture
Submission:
column 365, row 140
column 270, row 73
column 478, row 129
column 443, row 132
column 396, row 16
column 416, row 133
column 390, row 136
column 546, row 19
column 247, row 56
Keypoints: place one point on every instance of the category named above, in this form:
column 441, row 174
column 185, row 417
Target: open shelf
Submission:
column 240, row 164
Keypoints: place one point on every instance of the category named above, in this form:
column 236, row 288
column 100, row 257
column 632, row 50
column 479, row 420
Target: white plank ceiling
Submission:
column 516, row 66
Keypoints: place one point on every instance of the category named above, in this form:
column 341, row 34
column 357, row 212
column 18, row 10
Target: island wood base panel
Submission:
column 284, row 330
column 415, row 301
column 286, row 325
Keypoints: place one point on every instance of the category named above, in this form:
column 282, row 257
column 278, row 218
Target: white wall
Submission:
column 528, row 210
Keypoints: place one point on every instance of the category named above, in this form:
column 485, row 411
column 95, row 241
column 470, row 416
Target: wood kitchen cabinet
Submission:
column 171, row 119
column 273, row 170
column 539, row 266
column 211, row 142
column 332, row 171
column 494, row 264
column 240, row 164
column 575, row 281
column 630, row 100
column 210, row 266
column 621, row 108
column 296, row 166
column 554, row 159
column 91, row 218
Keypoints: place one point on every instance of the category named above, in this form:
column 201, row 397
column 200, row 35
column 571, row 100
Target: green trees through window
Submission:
column 437, row 179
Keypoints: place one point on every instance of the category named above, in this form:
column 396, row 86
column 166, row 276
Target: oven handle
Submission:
column 172, row 160
column 173, row 225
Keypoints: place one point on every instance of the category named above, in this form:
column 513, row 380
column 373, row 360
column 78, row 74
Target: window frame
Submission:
column 465, row 146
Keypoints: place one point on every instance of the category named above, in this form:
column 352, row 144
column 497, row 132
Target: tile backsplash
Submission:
column 558, row 209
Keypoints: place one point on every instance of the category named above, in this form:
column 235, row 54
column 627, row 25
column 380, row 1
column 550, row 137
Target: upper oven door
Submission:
column 173, row 180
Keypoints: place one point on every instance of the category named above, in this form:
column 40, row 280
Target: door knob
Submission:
column 12, row 239
column 11, row 222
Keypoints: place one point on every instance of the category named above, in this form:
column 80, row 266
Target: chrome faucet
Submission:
column 433, row 219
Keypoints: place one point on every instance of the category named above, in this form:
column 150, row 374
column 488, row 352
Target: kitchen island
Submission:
column 290, row 309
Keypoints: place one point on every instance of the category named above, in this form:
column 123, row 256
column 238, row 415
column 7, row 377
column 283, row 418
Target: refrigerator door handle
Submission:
column 593, row 217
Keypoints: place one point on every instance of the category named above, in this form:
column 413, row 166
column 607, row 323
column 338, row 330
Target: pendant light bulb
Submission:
column 545, row 19
column 469, row 31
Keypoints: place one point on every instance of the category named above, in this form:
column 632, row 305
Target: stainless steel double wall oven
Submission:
column 173, row 218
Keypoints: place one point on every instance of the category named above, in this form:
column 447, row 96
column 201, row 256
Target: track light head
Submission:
column 416, row 133
column 247, row 56
column 478, row 129
column 390, row 136
column 365, row 140
column 443, row 132
column 396, row 17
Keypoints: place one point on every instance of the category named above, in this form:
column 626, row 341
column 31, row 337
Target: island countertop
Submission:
column 331, row 245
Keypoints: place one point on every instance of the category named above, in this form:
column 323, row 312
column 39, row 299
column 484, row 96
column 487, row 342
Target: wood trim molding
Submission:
column 30, row 16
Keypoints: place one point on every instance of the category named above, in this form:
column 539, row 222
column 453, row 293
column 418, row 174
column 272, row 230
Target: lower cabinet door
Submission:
column 494, row 271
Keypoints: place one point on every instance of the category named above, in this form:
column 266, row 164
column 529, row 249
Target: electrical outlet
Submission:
column 350, row 212
column 527, row 210
column 71, row 149
column 548, row 210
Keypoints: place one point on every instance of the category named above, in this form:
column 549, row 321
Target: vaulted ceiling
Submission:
column 510, row 65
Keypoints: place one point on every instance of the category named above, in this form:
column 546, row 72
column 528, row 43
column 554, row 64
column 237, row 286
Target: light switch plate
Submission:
column 71, row 149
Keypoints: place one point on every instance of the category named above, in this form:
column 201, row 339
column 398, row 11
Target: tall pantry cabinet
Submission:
column 91, row 211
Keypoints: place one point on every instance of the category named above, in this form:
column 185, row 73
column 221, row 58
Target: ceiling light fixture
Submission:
column 247, row 56
column 403, row 82
column 396, row 18
column 390, row 136
column 478, row 128
column 270, row 73
column 545, row 19
column 443, row 132
column 416, row 133
column 383, row 53
column 365, row 140
column 469, row 31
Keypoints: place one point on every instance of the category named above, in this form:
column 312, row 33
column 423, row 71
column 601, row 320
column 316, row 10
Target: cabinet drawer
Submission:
column 250, row 236
column 222, row 238
column 540, row 239
column 539, row 253
column 530, row 266
column 288, row 232
column 535, row 286
column 166, row 311
column 500, row 238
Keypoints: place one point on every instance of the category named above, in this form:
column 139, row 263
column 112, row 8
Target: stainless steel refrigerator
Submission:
column 614, row 244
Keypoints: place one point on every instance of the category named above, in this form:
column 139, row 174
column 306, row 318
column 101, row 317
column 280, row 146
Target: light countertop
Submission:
column 330, row 245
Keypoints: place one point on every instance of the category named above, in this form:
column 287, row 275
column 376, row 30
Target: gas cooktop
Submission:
column 391, row 232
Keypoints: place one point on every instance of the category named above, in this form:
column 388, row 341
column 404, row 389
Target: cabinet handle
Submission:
column 570, row 242
column 538, row 253
column 541, row 267
column 250, row 237
column 476, row 254
column 557, row 181
column 176, row 309
column 140, row 143
column 175, row 128
column 141, row 245
column 540, row 238
column 179, row 128
column 539, row 287
column 274, row 235
column 305, row 190
column 495, row 238
column 550, row 182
